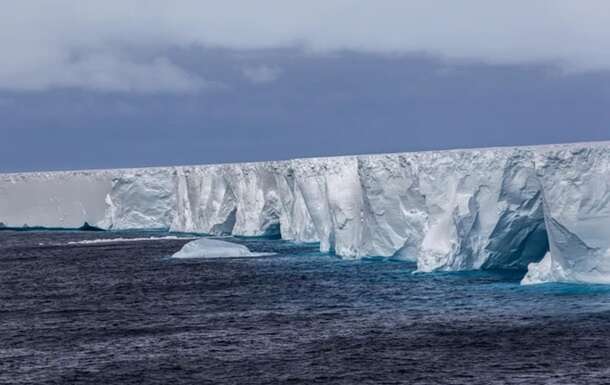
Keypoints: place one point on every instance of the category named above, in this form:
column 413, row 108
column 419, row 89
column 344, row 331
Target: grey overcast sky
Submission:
column 101, row 84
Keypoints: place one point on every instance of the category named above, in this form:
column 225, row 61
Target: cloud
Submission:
column 261, row 74
column 105, row 72
column 123, row 41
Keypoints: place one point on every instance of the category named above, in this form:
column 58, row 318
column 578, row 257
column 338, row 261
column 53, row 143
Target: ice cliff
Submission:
column 546, row 207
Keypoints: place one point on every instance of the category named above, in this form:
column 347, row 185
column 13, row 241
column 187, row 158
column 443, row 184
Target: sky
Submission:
column 101, row 84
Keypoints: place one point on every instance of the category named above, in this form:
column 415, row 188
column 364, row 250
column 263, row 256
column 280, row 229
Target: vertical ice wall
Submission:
column 447, row 210
column 54, row 199
column 576, row 191
column 238, row 199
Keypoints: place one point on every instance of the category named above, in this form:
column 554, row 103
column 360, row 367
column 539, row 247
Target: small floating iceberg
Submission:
column 214, row 248
column 544, row 271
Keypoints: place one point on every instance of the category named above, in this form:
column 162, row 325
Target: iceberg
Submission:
column 542, row 208
column 214, row 248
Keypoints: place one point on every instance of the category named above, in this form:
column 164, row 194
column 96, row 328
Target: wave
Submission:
column 117, row 240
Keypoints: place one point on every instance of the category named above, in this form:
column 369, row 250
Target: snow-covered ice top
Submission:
column 447, row 210
column 214, row 248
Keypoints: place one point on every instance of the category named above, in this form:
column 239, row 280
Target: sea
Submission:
column 79, row 307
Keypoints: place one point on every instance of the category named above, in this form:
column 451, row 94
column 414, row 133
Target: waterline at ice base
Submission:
column 541, row 208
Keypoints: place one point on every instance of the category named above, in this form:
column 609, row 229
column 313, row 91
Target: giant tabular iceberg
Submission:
column 546, row 207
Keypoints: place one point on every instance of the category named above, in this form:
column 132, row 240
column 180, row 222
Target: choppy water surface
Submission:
column 122, row 312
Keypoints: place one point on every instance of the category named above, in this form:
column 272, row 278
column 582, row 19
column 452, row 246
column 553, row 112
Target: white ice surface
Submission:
column 119, row 240
column 214, row 248
column 446, row 210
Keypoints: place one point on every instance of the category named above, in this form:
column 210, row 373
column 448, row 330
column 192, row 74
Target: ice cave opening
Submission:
column 517, row 250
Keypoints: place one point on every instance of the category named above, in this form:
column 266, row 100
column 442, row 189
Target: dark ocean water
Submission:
column 125, row 313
